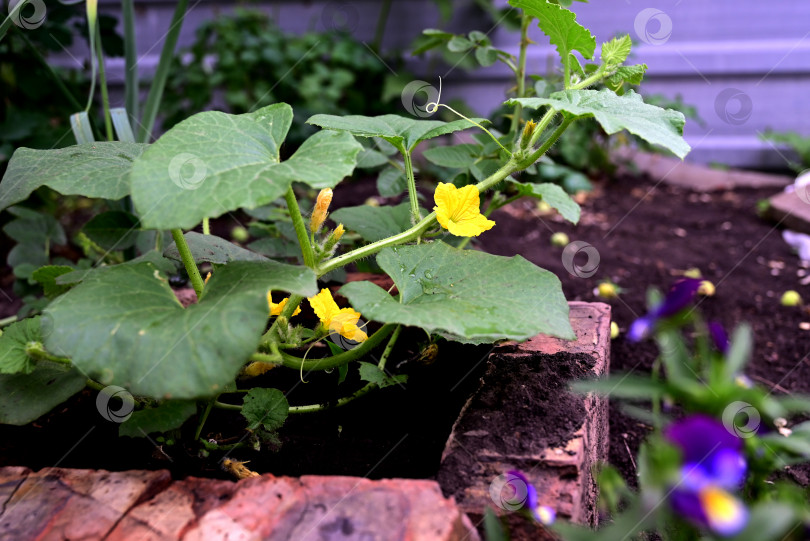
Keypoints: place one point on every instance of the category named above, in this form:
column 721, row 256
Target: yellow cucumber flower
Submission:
column 340, row 320
column 275, row 309
column 457, row 210
column 320, row 211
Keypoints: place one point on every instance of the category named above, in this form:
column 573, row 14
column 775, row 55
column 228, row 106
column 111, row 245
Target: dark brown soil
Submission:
column 523, row 408
column 645, row 235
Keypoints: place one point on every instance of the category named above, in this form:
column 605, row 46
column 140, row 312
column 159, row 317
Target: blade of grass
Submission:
column 161, row 74
column 82, row 131
column 102, row 81
column 91, row 29
column 123, row 128
column 13, row 15
column 131, row 62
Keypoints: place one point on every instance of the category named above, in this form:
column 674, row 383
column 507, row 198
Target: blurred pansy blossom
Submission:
column 541, row 513
column 719, row 336
column 678, row 297
column 713, row 468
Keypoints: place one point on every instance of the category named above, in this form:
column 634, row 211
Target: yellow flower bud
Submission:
column 528, row 131
column 338, row 232
column 320, row 211
column 207, row 277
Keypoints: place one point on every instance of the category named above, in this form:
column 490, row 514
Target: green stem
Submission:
column 7, row 321
column 411, row 234
column 300, row 228
column 312, row 408
column 525, row 20
column 102, row 81
column 94, row 385
column 150, row 110
column 597, row 76
column 265, row 358
column 415, row 215
column 223, row 406
column 203, row 418
column 542, row 124
column 131, row 61
column 188, row 261
column 286, row 313
column 382, row 20
column 56, row 79
column 36, row 351
column 341, row 358
column 534, row 156
column 206, row 226
column 389, row 348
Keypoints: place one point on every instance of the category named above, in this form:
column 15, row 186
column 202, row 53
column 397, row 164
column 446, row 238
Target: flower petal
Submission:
column 725, row 514
column 324, row 306
column 458, row 210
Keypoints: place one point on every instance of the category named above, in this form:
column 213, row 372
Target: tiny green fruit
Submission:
column 791, row 298
column 240, row 234
column 559, row 239
column 614, row 330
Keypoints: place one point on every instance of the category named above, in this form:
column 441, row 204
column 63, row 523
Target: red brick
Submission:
column 562, row 475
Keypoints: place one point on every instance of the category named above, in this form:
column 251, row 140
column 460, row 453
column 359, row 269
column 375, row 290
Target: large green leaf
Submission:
column 92, row 170
column 453, row 156
column 26, row 397
column 124, row 326
column 561, row 26
column 374, row 223
column 113, row 230
column 553, row 195
column 615, row 113
column 212, row 249
column 167, row 416
column 402, row 132
column 214, row 162
column 465, row 295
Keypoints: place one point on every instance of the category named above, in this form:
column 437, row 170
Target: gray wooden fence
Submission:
column 745, row 64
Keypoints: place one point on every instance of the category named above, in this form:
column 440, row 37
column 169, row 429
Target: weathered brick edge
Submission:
column 70, row 504
column 563, row 476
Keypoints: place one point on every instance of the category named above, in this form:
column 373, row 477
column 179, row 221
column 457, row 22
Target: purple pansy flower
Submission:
column 718, row 336
column 678, row 297
column 541, row 513
column 713, row 467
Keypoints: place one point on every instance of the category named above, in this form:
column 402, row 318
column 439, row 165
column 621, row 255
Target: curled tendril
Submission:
column 433, row 106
